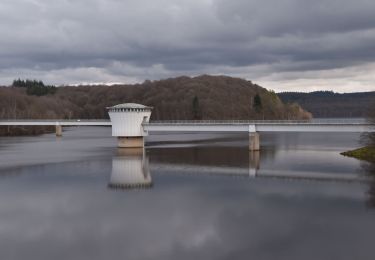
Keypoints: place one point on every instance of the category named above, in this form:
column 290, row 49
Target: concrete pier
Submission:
column 254, row 141
column 58, row 130
column 130, row 142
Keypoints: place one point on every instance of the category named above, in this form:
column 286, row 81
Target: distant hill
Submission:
column 330, row 104
column 182, row 98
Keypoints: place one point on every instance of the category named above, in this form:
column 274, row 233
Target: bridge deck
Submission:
column 53, row 122
column 324, row 125
column 339, row 125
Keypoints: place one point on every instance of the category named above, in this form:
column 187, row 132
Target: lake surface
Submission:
column 79, row 197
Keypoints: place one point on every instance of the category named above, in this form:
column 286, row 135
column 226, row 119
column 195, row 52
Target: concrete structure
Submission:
column 59, row 130
column 254, row 139
column 233, row 126
column 54, row 122
column 254, row 128
column 57, row 123
column 131, row 123
column 130, row 170
column 127, row 120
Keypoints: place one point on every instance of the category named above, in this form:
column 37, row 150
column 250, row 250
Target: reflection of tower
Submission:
column 130, row 170
column 254, row 163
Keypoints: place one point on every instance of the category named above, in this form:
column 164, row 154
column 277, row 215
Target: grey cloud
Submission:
column 185, row 37
column 303, row 17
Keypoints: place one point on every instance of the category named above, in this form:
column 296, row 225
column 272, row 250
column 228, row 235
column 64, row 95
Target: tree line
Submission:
column 330, row 104
column 183, row 98
column 34, row 87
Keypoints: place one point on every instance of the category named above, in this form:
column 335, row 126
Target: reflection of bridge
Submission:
column 131, row 169
column 257, row 173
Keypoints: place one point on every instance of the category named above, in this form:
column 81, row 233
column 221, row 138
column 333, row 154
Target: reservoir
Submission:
column 185, row 196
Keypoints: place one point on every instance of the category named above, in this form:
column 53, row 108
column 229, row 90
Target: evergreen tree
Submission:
column 196, row 109
column 257, row 104
column 18, row 83
column 34, row 87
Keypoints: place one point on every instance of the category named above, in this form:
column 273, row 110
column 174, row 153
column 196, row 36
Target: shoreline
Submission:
column 366, row 153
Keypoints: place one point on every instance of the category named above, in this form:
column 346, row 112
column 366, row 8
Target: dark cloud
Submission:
column 134, row 40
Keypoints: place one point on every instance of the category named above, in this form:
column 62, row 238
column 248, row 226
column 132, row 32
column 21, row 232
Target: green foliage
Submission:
column 18, row 83
column 364, row 153
column 34, row 87
column 257, row 103
column 273, row 95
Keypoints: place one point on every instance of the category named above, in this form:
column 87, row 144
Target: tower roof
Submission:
column 129, row 105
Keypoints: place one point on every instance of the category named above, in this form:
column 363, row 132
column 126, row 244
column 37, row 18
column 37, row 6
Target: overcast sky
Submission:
column 283, row 45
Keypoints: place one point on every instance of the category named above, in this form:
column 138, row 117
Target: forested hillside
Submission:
column 182, row 98
column 330, row 104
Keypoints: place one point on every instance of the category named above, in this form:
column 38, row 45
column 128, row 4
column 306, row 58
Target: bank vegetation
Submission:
column 183, row 98
column 366, row 153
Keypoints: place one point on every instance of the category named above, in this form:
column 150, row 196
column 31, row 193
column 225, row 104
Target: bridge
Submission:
column 224, row 126
column 317, row 125
column 131, row 122
column 55, row 122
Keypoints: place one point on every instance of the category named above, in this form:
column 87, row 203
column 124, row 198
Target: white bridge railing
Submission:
column 315, row 125
column 54, row 120
column 251, row 122
column 313, row 121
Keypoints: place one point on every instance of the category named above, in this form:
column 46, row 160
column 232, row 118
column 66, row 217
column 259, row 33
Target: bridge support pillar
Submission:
column 58, row 130
column 130, row 142
column 254, row 141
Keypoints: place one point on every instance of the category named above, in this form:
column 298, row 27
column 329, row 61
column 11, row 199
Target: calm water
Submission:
column 78, row 197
